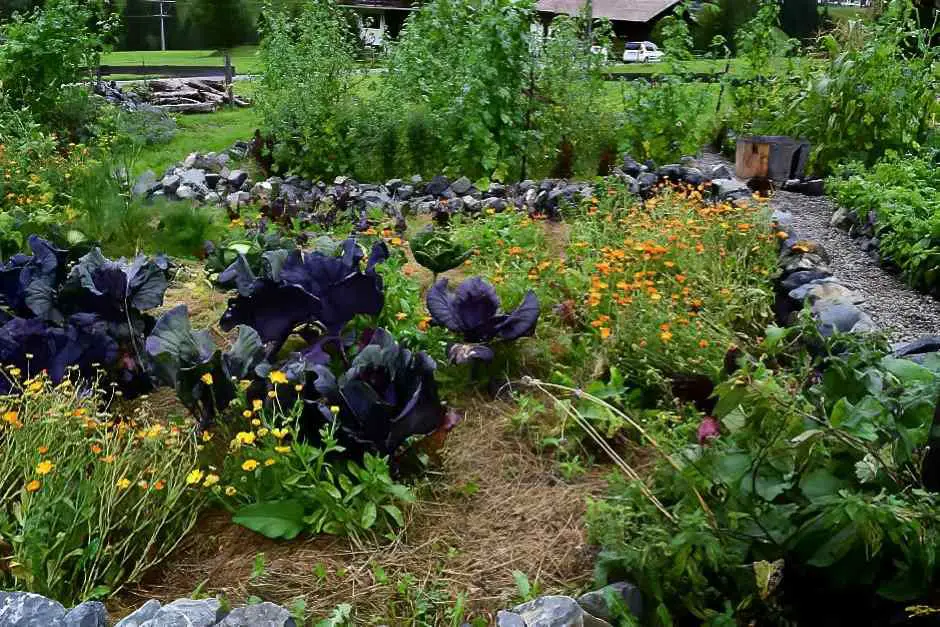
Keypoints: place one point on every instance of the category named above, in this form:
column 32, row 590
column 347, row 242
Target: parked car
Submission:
column 641, row 52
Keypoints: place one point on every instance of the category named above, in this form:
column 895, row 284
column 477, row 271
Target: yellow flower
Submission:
column 272, row 394
column 249, row 465
column 123, row 483
column 256, row 423
column 262, row 432
column 334, row 409
column 44, row 468
column 277, row 376
column 257, row 404
column 109, row 459
column 43, row 450
column 269, row 461
column 230, row 491
column 11, row 417
column 665, row 336
column 206, row 436
column 206, row 378
column 245, row 437
column 299, row 387
column 33, row 485
column 280, row 434
column 211, row 480
column 247, row 413
column 282, row 449
column 401, row 315
column 194, row 477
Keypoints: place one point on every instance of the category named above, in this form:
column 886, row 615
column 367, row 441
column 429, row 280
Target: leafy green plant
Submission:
column 817, row 476
column 90, row 499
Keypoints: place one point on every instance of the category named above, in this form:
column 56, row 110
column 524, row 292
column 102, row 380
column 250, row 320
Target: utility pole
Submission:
column 162, row 14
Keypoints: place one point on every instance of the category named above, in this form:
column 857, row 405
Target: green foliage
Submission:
column 435, row 250
column 90, row 500
column 872, row 97
column 280, row 486
column 899, row 195
column 820, row 473
column 46, row 49
column 305, row 87
column 467, row 62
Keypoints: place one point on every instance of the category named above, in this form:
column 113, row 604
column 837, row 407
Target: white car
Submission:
column 641, row 52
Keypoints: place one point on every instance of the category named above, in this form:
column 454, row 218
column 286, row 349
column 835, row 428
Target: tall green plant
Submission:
column 305, row 88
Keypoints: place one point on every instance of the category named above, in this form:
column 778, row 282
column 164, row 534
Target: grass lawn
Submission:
column 698, row 66
column 243, row 57
column 209, row 132
column 840, row 14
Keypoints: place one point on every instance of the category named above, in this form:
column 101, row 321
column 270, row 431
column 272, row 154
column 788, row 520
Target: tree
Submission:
column 722, row 18
column 221, row 24
column 9, row 7
column 799, row 18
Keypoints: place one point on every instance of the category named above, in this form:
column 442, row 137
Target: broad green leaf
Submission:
column 277, row 519
column 821, row 483
column 368, row 516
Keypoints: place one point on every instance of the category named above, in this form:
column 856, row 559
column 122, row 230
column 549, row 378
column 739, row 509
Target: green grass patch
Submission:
column 243, row 58
column 208, row 132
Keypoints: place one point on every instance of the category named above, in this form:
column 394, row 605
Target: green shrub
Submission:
column 817, row 476
column 90, row 499
column 901, row 197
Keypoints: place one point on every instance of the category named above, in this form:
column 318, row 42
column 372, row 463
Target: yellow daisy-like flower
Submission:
column 272, row 394
column 257, row 404
column 194, row 477
column 247, row 413
column 262, row 432
column 206, row 378
column 401, row 315
column 206, row 436
column 33, row 485
column 44, row 468
column 249, row 465
column 123, row 483
column 245, row 437
column 230, row 491
column 270, row 461
column 280, row 434
column 211, row 480
column 256, row 423
column 282, row 449
column 334, row 409
column 277, row 376
column 299, row 387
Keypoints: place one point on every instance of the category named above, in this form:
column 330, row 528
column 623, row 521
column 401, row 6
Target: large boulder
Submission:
column 25, row 609
column 551, row 611
column 603, row 603
column 88, row 614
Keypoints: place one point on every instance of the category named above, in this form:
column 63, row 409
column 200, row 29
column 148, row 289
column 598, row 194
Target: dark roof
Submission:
column 615, row 10
column 378, row 4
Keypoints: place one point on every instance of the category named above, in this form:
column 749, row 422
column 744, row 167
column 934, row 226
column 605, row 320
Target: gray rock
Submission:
column 141, row 615
column 190, row 160
column 929, row 344
column 508, row 619
column 842, row 317
column 551, row 611
column 184, row 192
column 416, row 180
column 145, row 184
column 193, row 178
column 392, row 184
column 260, row 615
column 236, row 178
column 461, row 186
column 797, row 279
column 170, row 183
column 438, row 185
column 725, row 187
column 404, row 192
column 471, row 204
column 263, row 189
column 496, row 189
column 783, row 219
column 597, row 602
column 212, row 198
column 375, row 198
column 496, row 204
column 25, row 609
column 88, row 614
column 237, row 199
column 341, row 180
column 721, row 172
column 186, row 613
column 842, row 218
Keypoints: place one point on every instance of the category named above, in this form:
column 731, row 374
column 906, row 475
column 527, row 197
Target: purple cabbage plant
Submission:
column 473, row 312
column 57, row 315
column 314, row 294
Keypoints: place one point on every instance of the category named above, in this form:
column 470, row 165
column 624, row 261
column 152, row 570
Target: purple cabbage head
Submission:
column 298, row 289
column 473, row 311
column 387, row 395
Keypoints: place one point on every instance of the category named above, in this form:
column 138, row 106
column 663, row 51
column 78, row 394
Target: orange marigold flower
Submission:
column 33, row 485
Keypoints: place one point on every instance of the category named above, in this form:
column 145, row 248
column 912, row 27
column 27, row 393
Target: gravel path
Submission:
column 902, row 312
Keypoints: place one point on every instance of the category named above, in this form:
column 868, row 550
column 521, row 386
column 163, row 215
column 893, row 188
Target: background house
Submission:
column 632, row 20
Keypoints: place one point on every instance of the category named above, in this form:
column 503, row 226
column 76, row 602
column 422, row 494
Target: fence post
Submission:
column 228, row 77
